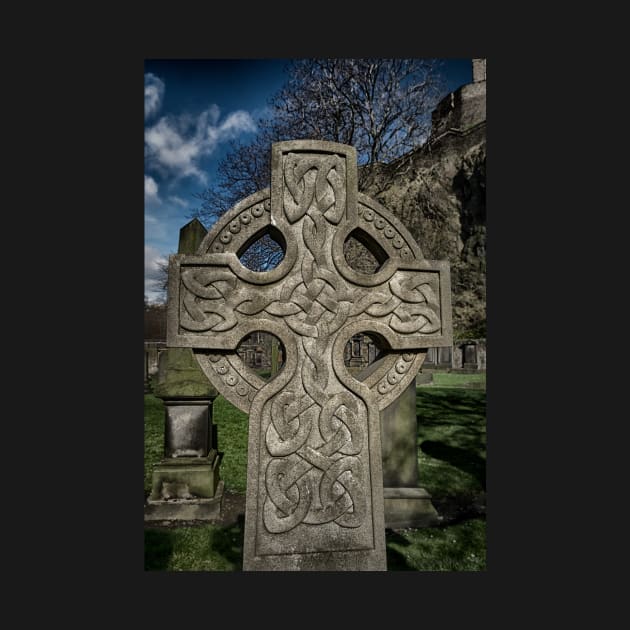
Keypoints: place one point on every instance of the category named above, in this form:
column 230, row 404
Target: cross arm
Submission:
column 411, row 309
column 214, row 301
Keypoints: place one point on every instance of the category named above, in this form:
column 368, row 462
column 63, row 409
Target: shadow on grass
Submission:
column 448, row 404
column 193, row 546
column 464, row 459
column 396, row 561
column 158, row 548
column 229, row 541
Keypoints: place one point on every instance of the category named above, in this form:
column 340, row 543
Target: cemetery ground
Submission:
column 452, row 462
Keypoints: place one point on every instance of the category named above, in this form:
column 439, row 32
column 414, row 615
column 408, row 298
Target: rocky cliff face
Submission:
column 439, row 194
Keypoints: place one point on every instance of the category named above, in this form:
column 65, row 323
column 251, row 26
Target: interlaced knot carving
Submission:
column 314, row 429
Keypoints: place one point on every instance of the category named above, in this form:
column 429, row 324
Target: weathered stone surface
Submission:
column 423, row 378
column 479, row 70
column 406, row 503
column 190, row 237
column 186, row 509
column 185, row 484
column 469, row 355
column 188, row 430
column 409, row 507
column 179, row 376
column 314, row 487
column 186, row 478
column 399, row 437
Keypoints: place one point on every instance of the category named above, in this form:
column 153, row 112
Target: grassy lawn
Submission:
column 448, row 379
column 451, row 453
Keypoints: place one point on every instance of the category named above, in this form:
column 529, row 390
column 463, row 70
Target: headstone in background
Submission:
column 186, row 484
column 406, row 503
column 315, row 479
column 470, row 356
column 445, row 357
column 430, row 361
column 147, row 381
column 274, row 357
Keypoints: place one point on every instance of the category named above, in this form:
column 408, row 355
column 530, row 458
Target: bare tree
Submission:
column 380, row 106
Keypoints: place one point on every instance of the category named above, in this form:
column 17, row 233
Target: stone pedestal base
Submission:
column 185, row 509
column 408, row 507
column 186, row 489
column 186, row 478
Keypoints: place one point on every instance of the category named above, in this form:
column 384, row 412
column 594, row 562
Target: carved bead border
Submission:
column 381, row 228
column 395, row 374
column 242, row 385
column 241, row 226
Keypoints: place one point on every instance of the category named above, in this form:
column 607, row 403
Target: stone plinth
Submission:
column 196, row 509
column 186, row 484
column 406, row 504
column 409, row 507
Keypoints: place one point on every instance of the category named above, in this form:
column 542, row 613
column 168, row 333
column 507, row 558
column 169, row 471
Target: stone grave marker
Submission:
column 314, row 478
column 186, row 483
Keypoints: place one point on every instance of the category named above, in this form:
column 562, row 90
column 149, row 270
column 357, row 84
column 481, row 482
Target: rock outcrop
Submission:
column 439, row 193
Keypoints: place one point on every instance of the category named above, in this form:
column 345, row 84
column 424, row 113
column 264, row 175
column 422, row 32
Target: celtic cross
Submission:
column 314, row 479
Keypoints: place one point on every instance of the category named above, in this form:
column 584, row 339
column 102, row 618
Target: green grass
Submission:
column 448, row 379
column 153, row 436
column 232, row 431
column 199, row 548
column 452, row 442
column 451, row 453
column 459, row 547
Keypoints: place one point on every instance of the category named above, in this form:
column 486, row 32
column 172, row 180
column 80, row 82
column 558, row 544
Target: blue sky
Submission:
column 193, row 108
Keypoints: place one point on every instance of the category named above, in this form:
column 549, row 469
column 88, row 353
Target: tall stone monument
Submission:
column 186, row 484
column 314, row 479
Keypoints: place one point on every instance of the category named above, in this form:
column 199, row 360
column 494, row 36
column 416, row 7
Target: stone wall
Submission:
column 479, row 69
column 460, row 110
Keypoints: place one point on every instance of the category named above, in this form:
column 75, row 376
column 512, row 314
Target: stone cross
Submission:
column 314, row 478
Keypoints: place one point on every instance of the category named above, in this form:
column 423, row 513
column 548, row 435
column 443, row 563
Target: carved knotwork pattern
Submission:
column 314, row 466
column 317, row 182
column 315, row 304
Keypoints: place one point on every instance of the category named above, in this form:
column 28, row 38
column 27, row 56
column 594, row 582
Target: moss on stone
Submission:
column 179, row 374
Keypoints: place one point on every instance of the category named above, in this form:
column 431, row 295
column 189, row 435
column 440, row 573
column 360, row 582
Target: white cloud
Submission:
column 153, row 94
column 178, row 201
column 175, row 144
column 152, row 261
column 236, row 123
column 156, row 228
column 151, row 189
column 153, row 275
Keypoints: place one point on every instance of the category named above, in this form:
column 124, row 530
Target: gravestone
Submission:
column 470, row 356
column 186, row 484
column 274, row 357
column 445, row 357
column 147, row 381
column 314, row 476
column 407, row 504
column 430, row 360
